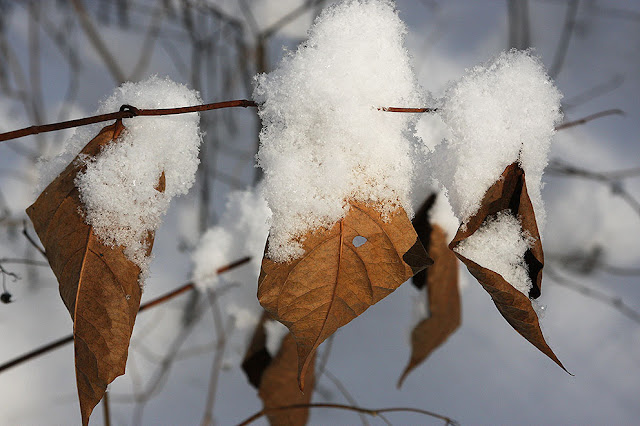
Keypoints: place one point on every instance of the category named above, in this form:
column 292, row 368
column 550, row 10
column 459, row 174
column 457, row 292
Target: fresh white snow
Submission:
column 117, row 188
column 498, row 113
column 324, row 142
column 500, row 245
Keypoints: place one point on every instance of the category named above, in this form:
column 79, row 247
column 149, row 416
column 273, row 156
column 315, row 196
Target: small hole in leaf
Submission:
column 359, row 240
column 128, row 297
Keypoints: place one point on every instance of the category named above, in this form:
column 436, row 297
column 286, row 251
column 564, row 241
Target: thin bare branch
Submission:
column 31, row 240
column 593, row 92
column 128, row 112
column 612, row 179
column 146, row 50
column 105, row 409
column 175, row 57
column 614, row 301
column 24, row 261
column 222, row 332
column 401, row 109
column 94, row 37
column 4, row 272
column 157, row 301
column 289, row 17
column 519, row 28
column 618, row 270
column 343, row 390
column 565, row 38
column 251, row 20
column 372, row 412
column 35, row 78
column 588, row 118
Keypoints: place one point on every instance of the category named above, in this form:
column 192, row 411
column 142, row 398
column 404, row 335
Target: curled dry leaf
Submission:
column 98, row 284
column 441, row 281
column 277, row 378
column 340, row 276
column 509, row 192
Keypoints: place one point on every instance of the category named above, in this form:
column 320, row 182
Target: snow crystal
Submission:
column 323, row 140
column 498, row 113
column 118, row 186
column 500, row 245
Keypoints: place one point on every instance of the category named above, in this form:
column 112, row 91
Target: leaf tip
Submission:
column 301, row 382
column 403, row 376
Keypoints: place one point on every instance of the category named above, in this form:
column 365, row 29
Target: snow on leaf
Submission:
column 335, row 281
column 509, row 193
column 98, row 283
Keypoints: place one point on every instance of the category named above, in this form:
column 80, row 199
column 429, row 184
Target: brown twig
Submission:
column 401, row 109
column 150, row 304
column 129, row 112
column 371, row 412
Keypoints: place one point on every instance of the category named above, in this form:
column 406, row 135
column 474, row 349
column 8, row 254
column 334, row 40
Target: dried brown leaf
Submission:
column 509, row 192
column 279, row 385
column 277, row 378
column 335, row 281
column 98, row 284
column 444, row 302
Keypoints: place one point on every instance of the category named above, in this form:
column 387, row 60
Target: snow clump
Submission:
column 498, row 113
column 117, row 188
column 500, row 245
column 324, row 142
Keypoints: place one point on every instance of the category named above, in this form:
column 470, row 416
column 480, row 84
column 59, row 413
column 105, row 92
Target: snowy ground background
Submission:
column 485, row 373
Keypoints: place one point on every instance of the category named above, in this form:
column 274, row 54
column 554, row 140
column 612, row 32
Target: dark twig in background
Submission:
column 150, row 304
column 372, row 412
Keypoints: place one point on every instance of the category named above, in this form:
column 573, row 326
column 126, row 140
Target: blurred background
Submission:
column 58, row 59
